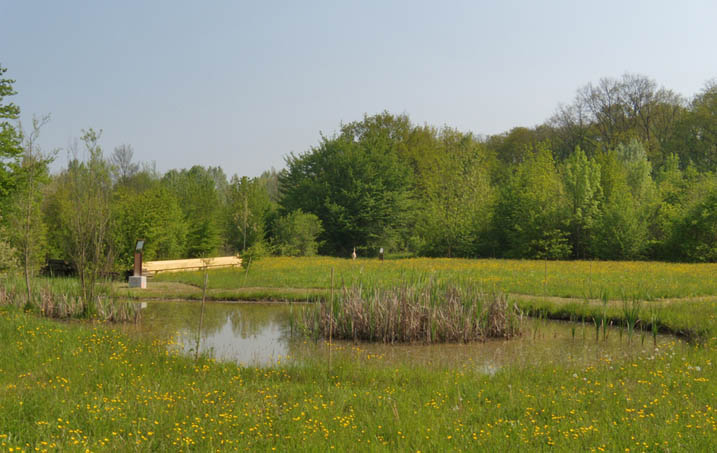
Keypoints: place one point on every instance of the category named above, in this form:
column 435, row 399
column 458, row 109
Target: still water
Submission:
column 261, row 334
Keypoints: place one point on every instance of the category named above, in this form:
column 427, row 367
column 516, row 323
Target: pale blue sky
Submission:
column 242, row 84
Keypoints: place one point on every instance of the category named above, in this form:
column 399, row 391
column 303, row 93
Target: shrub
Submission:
column 296, row 233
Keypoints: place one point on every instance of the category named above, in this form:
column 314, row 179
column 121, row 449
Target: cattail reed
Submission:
column 428, row 311
column 61, row 299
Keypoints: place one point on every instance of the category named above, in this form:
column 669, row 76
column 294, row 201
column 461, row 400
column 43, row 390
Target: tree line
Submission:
column 628, row 170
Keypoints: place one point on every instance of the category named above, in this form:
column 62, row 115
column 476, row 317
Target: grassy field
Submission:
column 576, row 279
column 79, row 387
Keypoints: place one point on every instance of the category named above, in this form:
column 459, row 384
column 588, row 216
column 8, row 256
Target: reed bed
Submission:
column 428, row 313
column 61, row 299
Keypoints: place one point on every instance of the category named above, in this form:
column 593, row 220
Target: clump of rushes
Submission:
column 631, row 313
column 428, row 312
column 654, row 316
column 603, row 314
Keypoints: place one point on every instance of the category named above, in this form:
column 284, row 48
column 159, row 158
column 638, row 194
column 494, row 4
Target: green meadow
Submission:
column 576, row 279
column 88, row 386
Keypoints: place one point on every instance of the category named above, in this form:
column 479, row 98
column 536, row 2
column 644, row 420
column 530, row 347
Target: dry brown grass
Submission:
column 63, row 302
column 417, row 313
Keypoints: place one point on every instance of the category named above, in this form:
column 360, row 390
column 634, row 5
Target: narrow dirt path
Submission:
column 566, row 300
column 176, row 289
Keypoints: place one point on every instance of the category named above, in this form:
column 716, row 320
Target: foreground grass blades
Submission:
column 76, row 387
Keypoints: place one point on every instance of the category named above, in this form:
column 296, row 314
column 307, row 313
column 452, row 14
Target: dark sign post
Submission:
column 138, row 258
column 137, row 280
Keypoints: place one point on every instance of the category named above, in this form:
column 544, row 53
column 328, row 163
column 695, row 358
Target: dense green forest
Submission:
column 627, row 171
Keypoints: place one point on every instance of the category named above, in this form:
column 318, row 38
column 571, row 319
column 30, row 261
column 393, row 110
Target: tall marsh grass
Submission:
column 428, row 312
column 631, row 313
column 61, row 298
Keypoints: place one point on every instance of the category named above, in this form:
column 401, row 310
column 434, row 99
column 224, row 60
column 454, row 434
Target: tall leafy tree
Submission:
column 630, row 204
column 153, row 215
column 25, row 216
column 456, row 197
column 671, row 189
column 249, row 210
column 695, row 135
column 10, row 139
column 355, row 183
column 269, row 180
column 697, row 231
column 583, row 195
column 514, row 146
column 202, row 204
column 638, row 172
column 532, row 215
column 619, row 233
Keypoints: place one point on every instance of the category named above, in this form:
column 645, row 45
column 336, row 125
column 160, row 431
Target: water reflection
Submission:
column 248, row 333
column 260, row 334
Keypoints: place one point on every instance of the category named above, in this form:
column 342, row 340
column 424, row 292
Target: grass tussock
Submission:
column 431, row 313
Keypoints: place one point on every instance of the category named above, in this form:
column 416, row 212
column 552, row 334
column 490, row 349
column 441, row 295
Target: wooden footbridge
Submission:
column 150, row 268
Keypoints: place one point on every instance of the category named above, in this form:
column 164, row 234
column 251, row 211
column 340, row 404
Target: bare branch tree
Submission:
column 615, row 111
column 123, row 167
column 87, row 214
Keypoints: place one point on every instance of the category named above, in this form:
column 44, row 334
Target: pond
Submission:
column 261, row 334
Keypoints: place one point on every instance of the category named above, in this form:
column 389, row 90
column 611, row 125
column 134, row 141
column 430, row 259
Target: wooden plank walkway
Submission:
column 150, row 268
